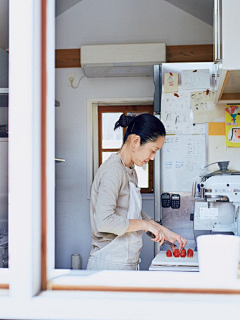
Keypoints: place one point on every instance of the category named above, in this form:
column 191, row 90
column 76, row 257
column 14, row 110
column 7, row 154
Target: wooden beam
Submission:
column 67, row 58
column 191, row 53
column 70, row 58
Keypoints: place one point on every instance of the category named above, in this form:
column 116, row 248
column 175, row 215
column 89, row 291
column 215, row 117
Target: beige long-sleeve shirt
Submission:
column 109, row 201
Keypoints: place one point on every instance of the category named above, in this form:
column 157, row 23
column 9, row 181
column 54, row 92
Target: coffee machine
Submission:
column 216, row 209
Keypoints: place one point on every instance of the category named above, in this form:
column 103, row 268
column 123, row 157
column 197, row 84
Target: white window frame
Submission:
column 25, row 299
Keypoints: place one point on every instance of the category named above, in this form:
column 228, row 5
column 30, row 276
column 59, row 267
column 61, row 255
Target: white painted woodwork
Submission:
column 24, row 149
column 230, row 34
column 23, row 301
column 227, row 46
column 50, row 138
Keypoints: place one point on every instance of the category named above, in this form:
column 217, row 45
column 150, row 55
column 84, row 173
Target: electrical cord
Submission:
column 71, row 79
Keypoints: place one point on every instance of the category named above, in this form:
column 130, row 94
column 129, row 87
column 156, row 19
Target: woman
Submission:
column 117, row 219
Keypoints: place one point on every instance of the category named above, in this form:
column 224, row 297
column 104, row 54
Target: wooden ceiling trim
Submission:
column 67, row 58
column 70, row 58
column 190, row 53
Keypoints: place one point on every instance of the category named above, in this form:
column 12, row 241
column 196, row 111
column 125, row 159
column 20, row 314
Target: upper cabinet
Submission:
column 227, row 49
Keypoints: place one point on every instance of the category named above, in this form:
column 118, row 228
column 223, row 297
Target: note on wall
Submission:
column 216, row 129
column 195, row 79
column 183, row 160
column 171, row 82
column 204, row 108
column 176, row 114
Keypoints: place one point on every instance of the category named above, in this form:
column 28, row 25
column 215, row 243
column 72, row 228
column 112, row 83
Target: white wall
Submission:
column 98, row 22
column 126, row 21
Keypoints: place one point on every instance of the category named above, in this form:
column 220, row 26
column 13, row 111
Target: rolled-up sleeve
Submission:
column 106, row 218
column 145, row 216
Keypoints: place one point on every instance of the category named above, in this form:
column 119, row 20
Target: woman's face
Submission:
column 143, row 153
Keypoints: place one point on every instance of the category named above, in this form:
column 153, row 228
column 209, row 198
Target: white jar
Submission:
column 76, row 261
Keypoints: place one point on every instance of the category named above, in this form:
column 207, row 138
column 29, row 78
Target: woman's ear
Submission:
column 135, row 141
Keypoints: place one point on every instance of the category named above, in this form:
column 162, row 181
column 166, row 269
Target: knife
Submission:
column 170, row 243
column 150, row 234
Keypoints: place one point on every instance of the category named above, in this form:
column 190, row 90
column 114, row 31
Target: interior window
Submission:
column 110, row 140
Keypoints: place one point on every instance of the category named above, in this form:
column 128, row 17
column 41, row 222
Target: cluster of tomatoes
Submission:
column 181, row 254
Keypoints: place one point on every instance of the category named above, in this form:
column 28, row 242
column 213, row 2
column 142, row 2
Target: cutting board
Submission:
column 162, row 260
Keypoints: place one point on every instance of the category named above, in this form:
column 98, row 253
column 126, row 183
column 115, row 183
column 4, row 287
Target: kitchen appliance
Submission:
column 118, row 60
column 217, row 209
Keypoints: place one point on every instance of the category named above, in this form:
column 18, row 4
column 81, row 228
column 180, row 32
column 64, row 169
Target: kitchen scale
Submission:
column 163, row 263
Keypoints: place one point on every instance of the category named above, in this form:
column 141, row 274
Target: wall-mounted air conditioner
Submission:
column 122, row 60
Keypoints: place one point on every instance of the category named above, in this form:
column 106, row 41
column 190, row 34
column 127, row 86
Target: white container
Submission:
column 76, row 261
column 218, row 257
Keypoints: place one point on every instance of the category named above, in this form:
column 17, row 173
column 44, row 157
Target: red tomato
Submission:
column 183, row 253
column 190, row 253
column 169, row 253
column 176, row 253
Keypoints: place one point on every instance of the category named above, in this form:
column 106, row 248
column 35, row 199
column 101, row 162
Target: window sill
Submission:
column 147, row 196
column 143, row 281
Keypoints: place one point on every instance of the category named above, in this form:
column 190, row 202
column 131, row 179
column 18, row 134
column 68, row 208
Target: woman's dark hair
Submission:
column 148, row 127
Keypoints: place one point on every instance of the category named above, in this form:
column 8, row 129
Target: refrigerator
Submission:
column 185, row 140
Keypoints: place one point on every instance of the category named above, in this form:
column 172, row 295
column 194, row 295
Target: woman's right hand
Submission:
column 159, row 235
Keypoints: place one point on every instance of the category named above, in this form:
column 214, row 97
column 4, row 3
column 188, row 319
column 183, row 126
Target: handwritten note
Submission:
column 176, row 114
column 171, row 82
column 204, row 108
column 195, row 79
column 183, row 158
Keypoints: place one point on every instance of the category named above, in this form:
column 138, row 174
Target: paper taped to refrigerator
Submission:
column 171, row 82
column 183, row 160
column 195, row 79
column 176, row 114
column 204, row 108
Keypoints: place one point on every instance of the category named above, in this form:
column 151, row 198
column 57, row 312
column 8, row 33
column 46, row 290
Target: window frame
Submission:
column 27, row 297
column 124, row 109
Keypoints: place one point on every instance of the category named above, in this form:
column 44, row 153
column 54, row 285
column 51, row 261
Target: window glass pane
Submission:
column 106, row 155
column 3, row 202
column 4, row 176
column 111, row 139
column 143, row 174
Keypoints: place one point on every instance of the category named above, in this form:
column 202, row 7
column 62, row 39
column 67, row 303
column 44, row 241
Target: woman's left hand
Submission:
column 172, row 237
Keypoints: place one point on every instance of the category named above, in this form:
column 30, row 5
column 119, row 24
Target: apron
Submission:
column 123, row 252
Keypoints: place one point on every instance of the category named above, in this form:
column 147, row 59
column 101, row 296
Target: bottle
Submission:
column 76, row 262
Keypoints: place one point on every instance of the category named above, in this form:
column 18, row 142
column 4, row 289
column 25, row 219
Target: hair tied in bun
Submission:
column 123, row 121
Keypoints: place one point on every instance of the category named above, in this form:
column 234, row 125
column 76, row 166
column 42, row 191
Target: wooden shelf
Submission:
column 230, row 89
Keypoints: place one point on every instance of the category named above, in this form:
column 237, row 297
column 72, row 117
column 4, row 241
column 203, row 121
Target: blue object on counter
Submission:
column 198, row 186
